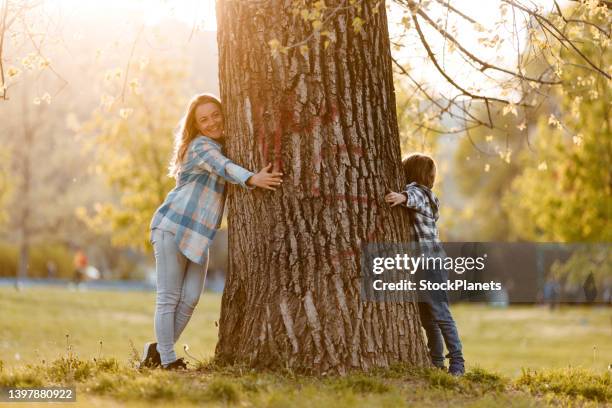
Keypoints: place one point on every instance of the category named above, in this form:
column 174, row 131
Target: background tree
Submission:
column 45, row 171
column 133, row 143
column 558, row 158
column 25, row 26
column 486, row 161
column 566, row 196
column 554, row 185
column 489, row 99
column 42, row 40
column 492, row 84
column 5, row 184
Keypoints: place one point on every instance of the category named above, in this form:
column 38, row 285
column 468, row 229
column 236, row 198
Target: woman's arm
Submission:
column 209, row 157
column 266, row 179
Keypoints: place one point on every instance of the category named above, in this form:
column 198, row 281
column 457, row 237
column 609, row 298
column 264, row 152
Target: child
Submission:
column 423, row 206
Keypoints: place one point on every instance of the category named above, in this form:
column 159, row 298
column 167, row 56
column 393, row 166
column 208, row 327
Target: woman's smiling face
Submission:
column 209, row 120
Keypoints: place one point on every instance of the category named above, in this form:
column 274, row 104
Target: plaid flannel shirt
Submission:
column 192, row 211
column 423, row 206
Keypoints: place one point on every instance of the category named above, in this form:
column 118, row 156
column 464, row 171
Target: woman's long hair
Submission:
column 187, row 131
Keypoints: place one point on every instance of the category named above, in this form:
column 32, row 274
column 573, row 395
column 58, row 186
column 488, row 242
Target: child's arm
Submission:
column 416, row 199
column 411, row 198
column 394, row 198
column 210, row 158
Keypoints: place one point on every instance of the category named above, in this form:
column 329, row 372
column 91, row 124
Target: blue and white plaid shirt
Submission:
column 424, row 212
column 192, row 211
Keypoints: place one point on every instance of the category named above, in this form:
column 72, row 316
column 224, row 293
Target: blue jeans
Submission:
column 440, row 328
column 179, row 285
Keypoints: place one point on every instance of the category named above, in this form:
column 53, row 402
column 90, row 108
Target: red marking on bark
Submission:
column 315, row 121
column 260, row 131
column 351, row 253
column 288, row 121
column 353, row 198
column 347, row 149
column 343, row 255
column 356, row 150
column 329, row 114
column 295, row 127
column 316, row 162
column 347, row 253
column 264, row 148
column 278, row 162
column 315, row 191
column 333, row 110
column 363, row 199
column 286, row 114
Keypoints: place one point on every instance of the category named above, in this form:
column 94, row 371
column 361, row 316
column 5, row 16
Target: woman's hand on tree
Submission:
column 265, row 179
column 395, row 198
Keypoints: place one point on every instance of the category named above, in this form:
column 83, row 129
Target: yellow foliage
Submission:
column 133, row 139
column 357, row 24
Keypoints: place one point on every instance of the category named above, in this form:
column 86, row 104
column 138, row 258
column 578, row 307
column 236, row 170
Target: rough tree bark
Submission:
column 326, row 119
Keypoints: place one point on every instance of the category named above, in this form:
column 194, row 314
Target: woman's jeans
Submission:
column 179, row 285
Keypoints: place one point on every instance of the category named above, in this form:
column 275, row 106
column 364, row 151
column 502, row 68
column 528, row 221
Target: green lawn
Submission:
column 34, row 324
column 40, row 326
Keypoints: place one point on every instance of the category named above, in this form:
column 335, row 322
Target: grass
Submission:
column 521, row 356
column 35, row 323
column 508, row 340
column 571, row 382
column 106, row 382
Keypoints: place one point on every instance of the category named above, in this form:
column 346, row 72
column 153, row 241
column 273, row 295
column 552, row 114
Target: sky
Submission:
column 486, row 13
column 199, row 15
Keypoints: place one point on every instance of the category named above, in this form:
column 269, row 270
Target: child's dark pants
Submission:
column 438, row 323
column 441, row 329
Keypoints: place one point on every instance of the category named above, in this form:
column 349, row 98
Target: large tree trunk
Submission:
column 327, row 120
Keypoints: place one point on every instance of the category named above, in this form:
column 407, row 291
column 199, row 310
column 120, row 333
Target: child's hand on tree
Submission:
column 265, row 179
column 395, row 198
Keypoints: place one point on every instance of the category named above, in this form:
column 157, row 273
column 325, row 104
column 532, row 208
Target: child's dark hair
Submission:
column 421, row 169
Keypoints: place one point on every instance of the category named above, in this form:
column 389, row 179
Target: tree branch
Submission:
column 484, row 65
column 579, row 21
column 2, row 33
column 435, row 102
column 434, row 60
column 459, row 13
column 564, row 38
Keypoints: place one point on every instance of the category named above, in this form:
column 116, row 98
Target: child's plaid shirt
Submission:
column 192, row 211
column 423, row 206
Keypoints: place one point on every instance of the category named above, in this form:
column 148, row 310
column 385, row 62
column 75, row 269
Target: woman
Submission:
column 185, row 224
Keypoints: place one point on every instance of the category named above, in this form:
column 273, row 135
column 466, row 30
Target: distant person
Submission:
column 423, row 207
column 183, row 227
column 51, row 269
column 552, row 293
column 80, row 265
